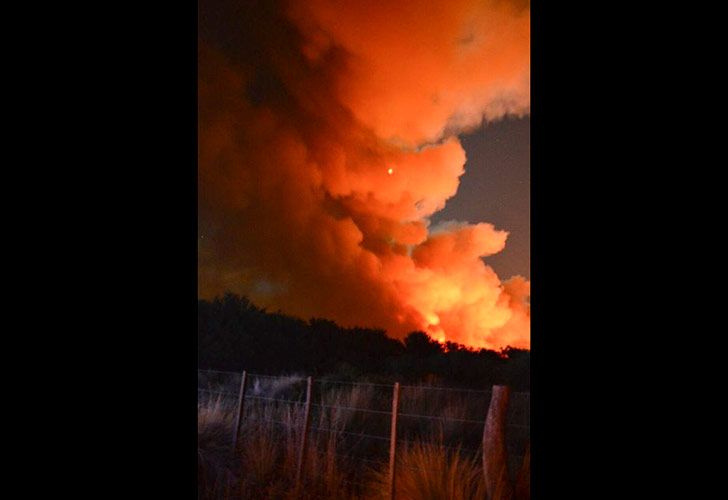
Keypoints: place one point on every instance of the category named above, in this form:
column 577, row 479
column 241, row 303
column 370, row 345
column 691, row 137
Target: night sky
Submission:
column 496, row 188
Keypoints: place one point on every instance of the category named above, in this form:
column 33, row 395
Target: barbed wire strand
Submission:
column 292, row 401
column 296, row 378
column 356, row 434
column 399, row 441
column 365, row 410
column 350, row 408
column 229, row 393
column 440, row 388
column 409, row 415
column 449, row 419
column 345, row 382
column 402, row 462
column 269, row 420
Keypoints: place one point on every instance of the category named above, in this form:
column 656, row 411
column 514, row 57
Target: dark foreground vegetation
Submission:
column 234, row 334
column 439, row 435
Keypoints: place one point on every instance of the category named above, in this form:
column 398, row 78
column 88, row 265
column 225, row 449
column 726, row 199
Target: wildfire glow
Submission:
column 290, row 192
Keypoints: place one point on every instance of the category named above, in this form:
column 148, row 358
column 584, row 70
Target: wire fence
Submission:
column 226, row 384
column 358, row 416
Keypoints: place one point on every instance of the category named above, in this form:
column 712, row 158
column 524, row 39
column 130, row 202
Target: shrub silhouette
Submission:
column 234, row 334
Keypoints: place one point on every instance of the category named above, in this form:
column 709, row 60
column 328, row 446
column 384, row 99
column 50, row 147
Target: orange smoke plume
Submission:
column 327, row 140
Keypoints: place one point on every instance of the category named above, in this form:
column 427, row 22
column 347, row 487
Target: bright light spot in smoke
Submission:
column 390, row 171
column 433, row 319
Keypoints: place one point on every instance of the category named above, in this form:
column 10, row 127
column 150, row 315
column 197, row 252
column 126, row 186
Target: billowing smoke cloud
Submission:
column 327, row 138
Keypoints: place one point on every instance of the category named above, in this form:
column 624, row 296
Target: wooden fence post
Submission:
column 241, row 408
column 523, row 480
column 393, row 439
column 304, row 437
column 495, row 457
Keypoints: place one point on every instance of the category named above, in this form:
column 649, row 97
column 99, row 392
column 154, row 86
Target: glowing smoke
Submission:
column 327, row 138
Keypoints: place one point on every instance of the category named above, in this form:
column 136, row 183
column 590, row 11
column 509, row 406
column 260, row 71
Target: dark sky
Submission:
column 496, row 188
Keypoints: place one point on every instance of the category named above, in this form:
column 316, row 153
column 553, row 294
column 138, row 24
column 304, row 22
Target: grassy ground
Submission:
column 347, row 455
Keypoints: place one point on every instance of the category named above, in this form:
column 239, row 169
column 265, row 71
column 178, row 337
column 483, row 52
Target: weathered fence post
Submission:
column 523, row 481
column 304, row 437
column 495, row 457
column 241, row 408
column 393, row 439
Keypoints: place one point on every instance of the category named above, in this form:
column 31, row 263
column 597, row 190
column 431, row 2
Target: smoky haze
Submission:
column 328, row 139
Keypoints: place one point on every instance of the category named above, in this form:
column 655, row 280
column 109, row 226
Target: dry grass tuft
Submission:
column 429, row 472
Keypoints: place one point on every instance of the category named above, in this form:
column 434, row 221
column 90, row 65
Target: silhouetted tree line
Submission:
column 233, row 334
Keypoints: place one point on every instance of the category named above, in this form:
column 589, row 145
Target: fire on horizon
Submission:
column 329, row 144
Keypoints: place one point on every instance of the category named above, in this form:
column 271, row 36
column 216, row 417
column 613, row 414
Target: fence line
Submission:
column 296, row 378
column 299, row 378
column 304, row 435
column 229, row 393
column 492, row 445
column 393, row 439
column 436, row 388
column 448, row 419
column 240, row 409
column 291, row 401
column 347, row 433
column 344, row 382
column 367, row 410
column 350, row 408
column 332, row 430
column 270, row 420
